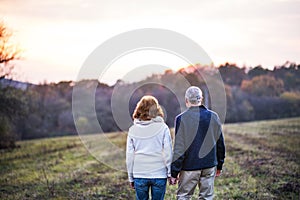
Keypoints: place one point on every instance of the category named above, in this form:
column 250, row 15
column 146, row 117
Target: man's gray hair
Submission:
column 194, row 95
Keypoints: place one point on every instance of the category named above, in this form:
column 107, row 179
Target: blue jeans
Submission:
column 157, row 186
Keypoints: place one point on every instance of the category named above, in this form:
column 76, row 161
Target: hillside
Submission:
column 261, row 163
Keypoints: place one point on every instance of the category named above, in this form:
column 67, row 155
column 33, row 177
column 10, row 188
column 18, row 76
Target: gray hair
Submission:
column 194, row 95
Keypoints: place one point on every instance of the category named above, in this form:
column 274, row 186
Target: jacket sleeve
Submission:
column 130, row 157
column 167, row 149
column 220, row 150
column 179, row 148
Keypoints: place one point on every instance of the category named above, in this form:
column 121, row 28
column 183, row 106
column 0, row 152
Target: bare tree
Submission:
column 10, row 98
column 9, row 51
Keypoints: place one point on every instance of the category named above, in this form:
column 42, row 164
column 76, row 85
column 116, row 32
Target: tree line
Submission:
column 45, row 110
column 29, row 111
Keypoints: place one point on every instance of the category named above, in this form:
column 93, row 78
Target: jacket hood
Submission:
column 146, row 129
column 153, row 120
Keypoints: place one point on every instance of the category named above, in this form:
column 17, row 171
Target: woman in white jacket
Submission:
column 149, row 150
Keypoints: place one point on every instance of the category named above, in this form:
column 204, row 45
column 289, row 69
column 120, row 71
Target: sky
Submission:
column 57, row 36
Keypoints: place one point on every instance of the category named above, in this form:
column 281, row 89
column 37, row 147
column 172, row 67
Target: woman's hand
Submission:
column 131, row 184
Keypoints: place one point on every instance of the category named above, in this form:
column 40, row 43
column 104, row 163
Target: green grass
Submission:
column 262, row 162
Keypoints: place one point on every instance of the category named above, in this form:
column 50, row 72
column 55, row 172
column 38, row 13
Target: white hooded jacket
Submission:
column 149, row 149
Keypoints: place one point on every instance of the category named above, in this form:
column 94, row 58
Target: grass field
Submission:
column 262, row 162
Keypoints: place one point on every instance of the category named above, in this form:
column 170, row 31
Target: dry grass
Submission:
column 262, row 163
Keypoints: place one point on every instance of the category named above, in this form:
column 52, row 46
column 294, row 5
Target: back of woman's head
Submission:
column 147, row 108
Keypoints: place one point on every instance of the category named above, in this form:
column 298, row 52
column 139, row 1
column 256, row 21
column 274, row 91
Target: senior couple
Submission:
column 197, row 156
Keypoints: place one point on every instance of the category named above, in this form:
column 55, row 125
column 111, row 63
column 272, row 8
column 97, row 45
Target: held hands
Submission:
column 172, row 181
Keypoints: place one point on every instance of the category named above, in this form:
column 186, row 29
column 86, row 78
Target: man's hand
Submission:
column 218, row 173
column 172, row 181
column 131, row 184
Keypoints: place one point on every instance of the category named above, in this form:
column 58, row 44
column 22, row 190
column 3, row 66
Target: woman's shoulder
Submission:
column 146, row 129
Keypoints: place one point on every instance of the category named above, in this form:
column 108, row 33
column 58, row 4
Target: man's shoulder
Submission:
column 179, row 116
column 214, row 115
column 212, row 112
column 188, row 112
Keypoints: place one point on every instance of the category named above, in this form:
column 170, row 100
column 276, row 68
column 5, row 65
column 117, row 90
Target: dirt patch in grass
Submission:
column 269, row 159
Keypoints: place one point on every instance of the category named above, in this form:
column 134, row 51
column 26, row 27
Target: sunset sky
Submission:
column 58, row 35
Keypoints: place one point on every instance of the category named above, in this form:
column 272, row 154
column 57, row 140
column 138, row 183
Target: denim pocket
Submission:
column 160, row 182
column 140, row 182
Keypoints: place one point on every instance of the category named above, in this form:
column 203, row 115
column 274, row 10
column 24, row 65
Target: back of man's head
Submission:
column 194, row 95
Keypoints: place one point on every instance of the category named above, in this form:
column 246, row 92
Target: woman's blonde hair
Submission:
column 147, row 108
